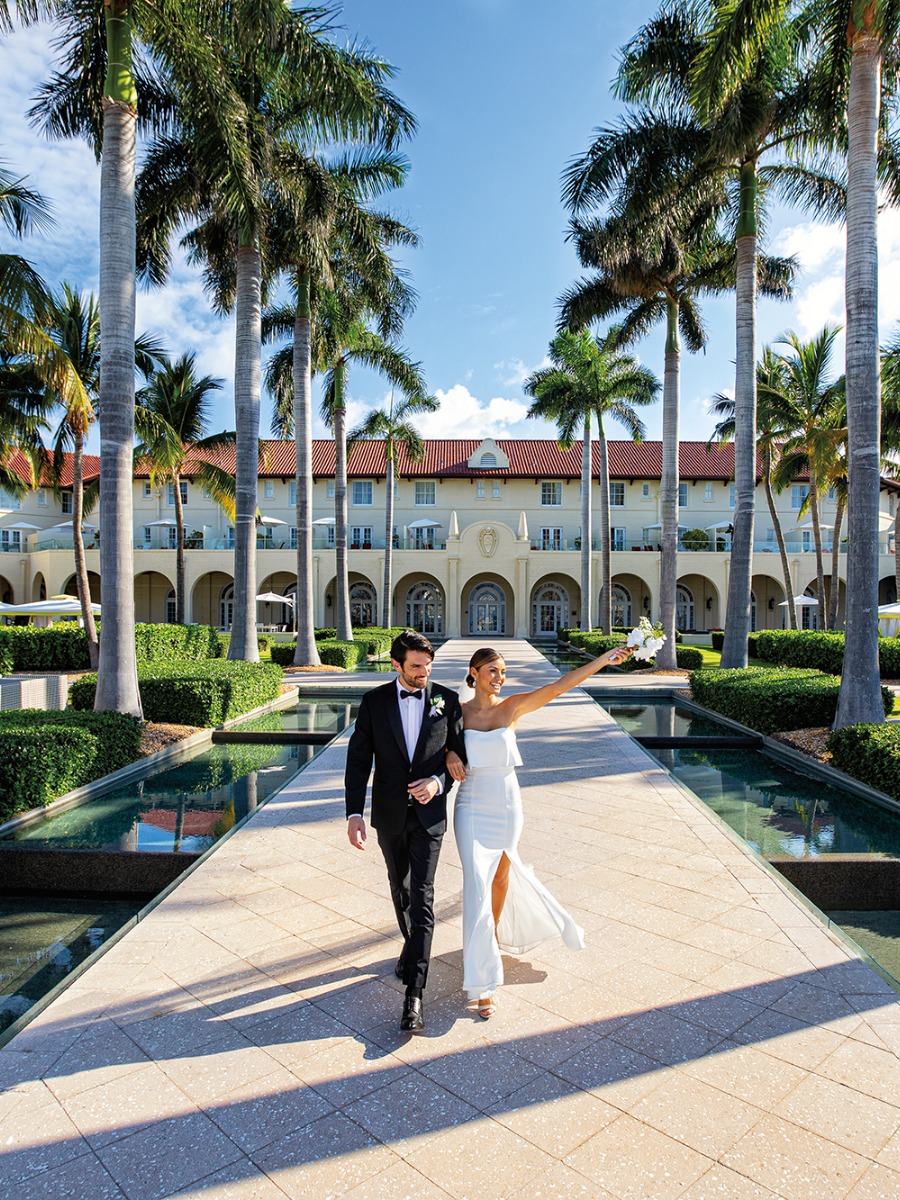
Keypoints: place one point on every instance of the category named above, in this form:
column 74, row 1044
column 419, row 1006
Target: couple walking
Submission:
column 420, row 738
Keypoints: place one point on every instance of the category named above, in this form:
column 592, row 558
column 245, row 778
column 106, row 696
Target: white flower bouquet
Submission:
column 647, row 640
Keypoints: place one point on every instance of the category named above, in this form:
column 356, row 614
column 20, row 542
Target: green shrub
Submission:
column 695, row 539
column 60, row 647
column 717, row 637
column 822, row 650
column 203, row 693
column 870, row 753
column 326, row 634
column 223, row 641
column 46, row 754
column 688, row 658
column 342, row 654
column 283, row 653
column 175, row 643
column 6, row 659
column 771, row 700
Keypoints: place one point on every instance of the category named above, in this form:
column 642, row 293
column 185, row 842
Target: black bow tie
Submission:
column 406, row 695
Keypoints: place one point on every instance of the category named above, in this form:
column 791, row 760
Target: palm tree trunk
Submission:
column 586, row 531
column 668, row 488
column 307, row 652
column 387, row 586
column 817, row 539
column 342, row 583
column 81, row 576
column 779, row 538
column 180, row 574
column 860, row 695
column 835, row 589
column 244, row 645
column 117, row 684
column 737, row 613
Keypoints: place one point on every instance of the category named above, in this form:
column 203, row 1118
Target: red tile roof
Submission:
column 90, row 469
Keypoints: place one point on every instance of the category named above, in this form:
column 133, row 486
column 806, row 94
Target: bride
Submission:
column 504, row 906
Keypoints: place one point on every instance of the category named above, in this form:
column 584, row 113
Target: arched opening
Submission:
column 6, row 591
column 71, row 588
column 550, row 609
column 205, row 596
column 487, row 609
column 685, row 615
column 151, row 597
column 425, row 608
column 170, row 607
column 39, row 587
column 363, row 604
column 622, row 612
column 226, row 608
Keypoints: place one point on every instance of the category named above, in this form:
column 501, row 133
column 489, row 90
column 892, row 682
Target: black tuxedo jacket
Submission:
column 378, row 737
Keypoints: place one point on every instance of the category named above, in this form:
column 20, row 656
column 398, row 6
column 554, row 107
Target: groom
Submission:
column 404, row 727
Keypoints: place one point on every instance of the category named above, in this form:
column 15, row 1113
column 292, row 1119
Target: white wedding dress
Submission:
column 487, row 820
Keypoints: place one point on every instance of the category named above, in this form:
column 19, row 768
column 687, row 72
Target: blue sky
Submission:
column 505, row 92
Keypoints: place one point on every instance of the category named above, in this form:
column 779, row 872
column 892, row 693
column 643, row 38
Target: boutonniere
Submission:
column 437, row 706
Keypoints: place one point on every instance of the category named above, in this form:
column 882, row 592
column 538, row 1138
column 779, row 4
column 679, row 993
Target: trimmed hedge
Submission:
column 283, row 653
column 342, row 654
column 870, row 753
column 688, row 658
column 203, row 693
column 43, row 755
column 63, row 647
column 6, row 660
column 595, row 644
column 772, row 700
column 718, row 640
column 825, row 650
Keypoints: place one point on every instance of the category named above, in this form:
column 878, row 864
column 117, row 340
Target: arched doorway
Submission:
column 684, row 608
column 171, row 618
column 621, row 606
column 226, row 607
column 549, row 609
column 71, row 588
column 487, row 609
column 753, row 625
column 363, row 604
column 425, row 608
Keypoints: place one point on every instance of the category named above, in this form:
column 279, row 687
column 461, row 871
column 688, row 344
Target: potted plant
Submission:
column 695, row 539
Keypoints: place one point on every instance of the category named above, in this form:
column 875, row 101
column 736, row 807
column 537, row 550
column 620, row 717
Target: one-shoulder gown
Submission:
column 487, row 821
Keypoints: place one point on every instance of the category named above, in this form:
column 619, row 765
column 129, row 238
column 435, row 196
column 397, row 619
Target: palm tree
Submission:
column 770, row 434
column 724, row 133
column 590, row 378
column 294, row 87
column 328, row 228
column 172, row 418
column 653, row 277
column 811, row 404
column 345, row 338
column 94, row 94
column 393, row 425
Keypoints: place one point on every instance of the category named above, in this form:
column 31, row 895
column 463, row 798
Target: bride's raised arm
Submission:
column 529, row 702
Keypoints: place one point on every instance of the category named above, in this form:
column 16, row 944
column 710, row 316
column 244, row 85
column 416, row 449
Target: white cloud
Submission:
column 463, row 415
column 513, row 372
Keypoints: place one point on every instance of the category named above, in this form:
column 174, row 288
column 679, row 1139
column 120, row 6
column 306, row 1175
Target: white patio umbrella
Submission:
column 800, row 602
column 271, row 521
column 324, row 521
column 167, row 521
column 425, row 523
column 23, row 525
column 658, row 525
column 274, row 598
column 889, row 619
column 68, row 607
column 807, row 527
column 719, row 525
column 71, row 524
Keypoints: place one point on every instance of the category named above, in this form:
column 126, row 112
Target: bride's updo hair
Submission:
column 479, row 659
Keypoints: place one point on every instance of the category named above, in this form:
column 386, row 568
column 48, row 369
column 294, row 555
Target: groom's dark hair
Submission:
column 410, row 640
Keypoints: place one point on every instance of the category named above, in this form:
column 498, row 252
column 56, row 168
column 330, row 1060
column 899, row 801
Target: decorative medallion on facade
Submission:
column 488, row 540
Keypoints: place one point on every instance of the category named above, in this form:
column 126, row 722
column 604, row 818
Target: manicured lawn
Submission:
column 713, row 658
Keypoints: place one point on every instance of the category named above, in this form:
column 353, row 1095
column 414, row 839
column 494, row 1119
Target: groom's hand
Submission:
column 424, row 790
column 356, row 832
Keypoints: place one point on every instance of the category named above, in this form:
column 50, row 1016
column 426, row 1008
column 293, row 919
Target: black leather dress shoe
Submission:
column 413, row 1019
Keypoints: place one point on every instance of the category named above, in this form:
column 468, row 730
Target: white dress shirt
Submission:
column 412, row 714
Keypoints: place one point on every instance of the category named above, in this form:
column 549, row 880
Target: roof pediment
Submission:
column 488, row 457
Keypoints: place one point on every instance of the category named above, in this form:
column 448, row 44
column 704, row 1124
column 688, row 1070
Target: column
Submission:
column 451, row 599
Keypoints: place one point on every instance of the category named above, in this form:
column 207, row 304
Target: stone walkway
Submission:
column 713, row 1042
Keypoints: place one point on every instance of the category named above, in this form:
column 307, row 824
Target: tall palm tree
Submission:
column 345, row 338
column 295, row 88
column 719, row 132
column 852, row 69
column 771, row 432
column 328, row 231
column 393, row 425
column 590, row 378
column 811, row 403
column 112, row 52
column 652, row 277
column 172, row 418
